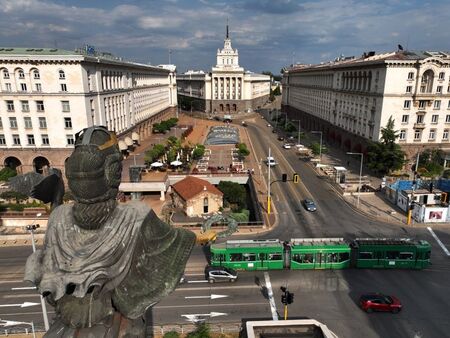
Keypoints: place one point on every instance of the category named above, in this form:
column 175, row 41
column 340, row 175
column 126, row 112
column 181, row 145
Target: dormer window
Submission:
column 62, row 75
column 36, row 74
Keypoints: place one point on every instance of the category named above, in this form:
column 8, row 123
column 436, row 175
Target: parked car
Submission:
column 309, row 204
column 220, row 274
column 268, row 124
column 280, row 138
column 380, row 302
column 287, row 146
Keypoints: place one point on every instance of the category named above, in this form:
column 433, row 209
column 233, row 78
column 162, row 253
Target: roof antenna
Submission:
column 227, row 30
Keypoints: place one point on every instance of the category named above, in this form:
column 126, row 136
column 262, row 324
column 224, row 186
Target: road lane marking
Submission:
column 206, row 305
column 273, row 308
column 439, row 241
column 251, row 286
column 22, row 295
column 211, row 296
column 197, row 281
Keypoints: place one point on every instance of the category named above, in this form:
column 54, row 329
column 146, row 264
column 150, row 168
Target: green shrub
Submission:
column 242, row 216
column 171, row 334
column 199, row 151
column 202, row 331
column 6, row 173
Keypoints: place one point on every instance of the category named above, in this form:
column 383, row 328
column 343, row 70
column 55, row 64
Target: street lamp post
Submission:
column 360, row 173
column 268, row 185
column 298, row 137
column 31, row 228
column 320, row 150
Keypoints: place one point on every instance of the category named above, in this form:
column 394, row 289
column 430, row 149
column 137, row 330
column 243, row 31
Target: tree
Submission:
column 431, row 162
column 171, row 334
column 242, row 150
column 315, row 148
column 386, row 156
column 234, row 194
column 277, row 91
column 202, row 331
column 6, row 173
column 199, row 151
column 13, row 195
column 153, row 154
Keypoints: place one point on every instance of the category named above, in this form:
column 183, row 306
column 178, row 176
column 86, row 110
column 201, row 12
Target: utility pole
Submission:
column 268, row 184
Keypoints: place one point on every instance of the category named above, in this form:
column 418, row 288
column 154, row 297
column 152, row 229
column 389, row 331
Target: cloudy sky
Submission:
column 269, row 34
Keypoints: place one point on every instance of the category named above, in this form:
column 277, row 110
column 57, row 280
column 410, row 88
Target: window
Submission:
column 65, row 106
column 25, row 106
column 235, row 257
column 70, row 140
column 45, row 140
column 344, row 256
column 5, row 74
column 411, row 76
column 36, row 74
column 38, row 87
column 432, row 134
column 402, row 135
column 422, row 104
column 2, row 140
column 8, row 87
column 62, row 75
column 392, row 254
column 1, row 123
column 365, row 255
column 275, row 257
column 42, row 123
column 445, row 134
column 434, row 118
column 16, row 140
column 408, row 89
column 407, row 104
column 10, row 105
column 30, row 138
column 63, row 87
column 405, row 118
column 68, row 122
column 448, row 105
column 417, row 134
column 447, row 118
column 249, row 257
column 441, row 76
column 437, row 104
column 13, row 122
column 439, row 89
column 21, row 74
column 40, row 106
column 23, row 87
column 27, row 121
column 419, row 119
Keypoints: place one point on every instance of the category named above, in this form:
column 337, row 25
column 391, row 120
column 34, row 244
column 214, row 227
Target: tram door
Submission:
column 287, row 256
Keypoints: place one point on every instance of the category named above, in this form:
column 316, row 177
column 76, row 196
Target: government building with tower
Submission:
column 227, row 89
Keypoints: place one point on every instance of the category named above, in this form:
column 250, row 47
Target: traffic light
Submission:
column 284, row 177
column 290, row 298
column 295, row 178
column 283, row 299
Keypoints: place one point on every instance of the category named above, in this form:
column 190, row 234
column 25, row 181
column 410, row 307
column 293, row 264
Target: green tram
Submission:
column 321, row 253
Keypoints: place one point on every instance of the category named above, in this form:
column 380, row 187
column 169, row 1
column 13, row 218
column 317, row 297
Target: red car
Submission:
column 379, row 302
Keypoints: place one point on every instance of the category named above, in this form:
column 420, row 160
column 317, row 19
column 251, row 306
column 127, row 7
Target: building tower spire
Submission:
column 228, row 35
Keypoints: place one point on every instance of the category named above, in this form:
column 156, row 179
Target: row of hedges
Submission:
column 164, row 126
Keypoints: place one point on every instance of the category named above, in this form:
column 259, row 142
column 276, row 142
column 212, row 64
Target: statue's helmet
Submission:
column 94, row 169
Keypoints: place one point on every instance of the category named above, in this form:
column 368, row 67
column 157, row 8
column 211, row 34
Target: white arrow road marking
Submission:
column 25, row 288
column 439, row 241
column 212, row 296
column 24, row 304
column 198, row 316
column 197, row 281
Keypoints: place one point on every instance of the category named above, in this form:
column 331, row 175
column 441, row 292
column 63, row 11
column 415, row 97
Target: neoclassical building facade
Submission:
column 48, row 95
column 351, row 99
column 228, row 88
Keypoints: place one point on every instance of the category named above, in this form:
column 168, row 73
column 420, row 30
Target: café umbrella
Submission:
column 176, row 163
column 156, row 164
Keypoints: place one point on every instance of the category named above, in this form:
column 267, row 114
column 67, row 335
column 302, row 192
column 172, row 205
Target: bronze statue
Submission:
column 104, row 264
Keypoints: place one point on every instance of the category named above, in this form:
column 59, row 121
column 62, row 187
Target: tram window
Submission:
column 275, row 257
column 379, row 254
column 249, row 257
column 344, row 256
column 296, row 258
column 392, row 254
column 365, row 255
column 427, row 254
column 332, row 258
column 235, row 257
column 406, row 255
column 219, row 257
column 307, row 258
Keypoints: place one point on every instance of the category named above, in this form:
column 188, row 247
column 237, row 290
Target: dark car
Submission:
column 309, row 204
column 220, row 274
column 280, row 138
column 378, row 302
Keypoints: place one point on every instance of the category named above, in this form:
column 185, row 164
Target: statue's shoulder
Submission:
column 136, row 207
column 61, row 211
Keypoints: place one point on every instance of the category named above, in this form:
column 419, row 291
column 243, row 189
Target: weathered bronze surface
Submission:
column 104, row 264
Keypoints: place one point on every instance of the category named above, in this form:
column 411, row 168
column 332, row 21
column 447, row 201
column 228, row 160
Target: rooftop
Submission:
column 191, row 186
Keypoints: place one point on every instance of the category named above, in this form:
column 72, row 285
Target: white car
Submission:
column 270, row 161
column 286, row 146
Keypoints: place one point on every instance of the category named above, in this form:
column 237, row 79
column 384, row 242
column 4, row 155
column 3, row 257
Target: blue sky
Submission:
column 268, row 34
